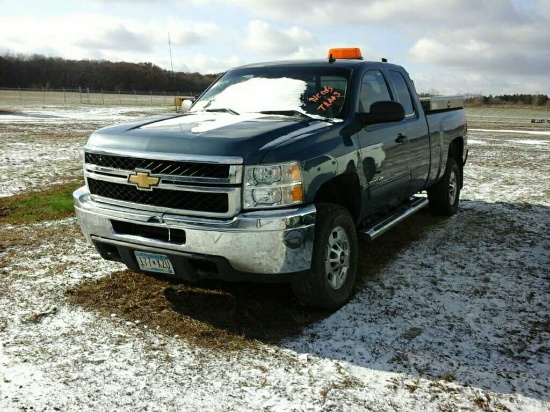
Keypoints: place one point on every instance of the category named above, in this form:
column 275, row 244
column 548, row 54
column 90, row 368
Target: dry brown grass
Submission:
column 210, row 314
column 229, row 316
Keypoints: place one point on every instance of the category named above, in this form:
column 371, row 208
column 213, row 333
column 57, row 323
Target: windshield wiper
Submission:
column 292, row 113
column 221, row 110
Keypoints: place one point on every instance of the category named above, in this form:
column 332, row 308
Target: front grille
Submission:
column 160, row 167
column 161, row 198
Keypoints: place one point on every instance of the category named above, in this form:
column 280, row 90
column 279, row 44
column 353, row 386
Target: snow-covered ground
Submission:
column 459, row 321
column 43, row 146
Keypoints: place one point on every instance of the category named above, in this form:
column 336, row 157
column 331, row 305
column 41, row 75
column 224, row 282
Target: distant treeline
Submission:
column 37, row 71
column 509, row 99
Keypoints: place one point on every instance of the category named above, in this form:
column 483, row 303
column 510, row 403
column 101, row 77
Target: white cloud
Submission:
column 460, row 39
column 105, row 37
column 385, row 12
column 456, row 82
column 190, row 33
column 204, row 64
column 118, row 38
column 65, row 35
column 520, row 50
column 265, row 39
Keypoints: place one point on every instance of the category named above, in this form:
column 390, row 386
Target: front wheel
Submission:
column 329, row 283
column 444, row 195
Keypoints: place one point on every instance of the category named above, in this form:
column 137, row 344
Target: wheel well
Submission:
column 456, row 150
column 343, row 190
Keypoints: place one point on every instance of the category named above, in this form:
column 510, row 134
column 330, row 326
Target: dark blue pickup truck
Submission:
column 272, row 173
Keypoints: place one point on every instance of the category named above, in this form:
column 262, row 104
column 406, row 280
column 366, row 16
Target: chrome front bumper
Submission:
column 260, row 242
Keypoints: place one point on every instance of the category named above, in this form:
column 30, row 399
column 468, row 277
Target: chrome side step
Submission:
column 379, row 228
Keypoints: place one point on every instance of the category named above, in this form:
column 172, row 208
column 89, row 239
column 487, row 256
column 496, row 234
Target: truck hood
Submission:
column 248, row 136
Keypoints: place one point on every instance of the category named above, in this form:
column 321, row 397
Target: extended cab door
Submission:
column 417, row 135
column 383, row 148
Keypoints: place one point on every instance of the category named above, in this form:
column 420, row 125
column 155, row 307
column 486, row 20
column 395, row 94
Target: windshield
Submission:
column 318, row 92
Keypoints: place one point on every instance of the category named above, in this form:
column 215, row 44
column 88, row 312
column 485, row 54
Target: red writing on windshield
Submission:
column 325, row 97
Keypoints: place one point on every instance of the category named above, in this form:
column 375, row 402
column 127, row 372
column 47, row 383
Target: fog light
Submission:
column 294, row 239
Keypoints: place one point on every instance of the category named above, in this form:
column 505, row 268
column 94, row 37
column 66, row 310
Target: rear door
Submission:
column 418, row 139
column 383, row 148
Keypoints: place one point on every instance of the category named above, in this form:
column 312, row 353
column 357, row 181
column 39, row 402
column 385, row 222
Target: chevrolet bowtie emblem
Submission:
column 143, row 180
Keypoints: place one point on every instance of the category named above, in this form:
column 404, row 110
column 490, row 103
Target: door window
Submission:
column 373, row 89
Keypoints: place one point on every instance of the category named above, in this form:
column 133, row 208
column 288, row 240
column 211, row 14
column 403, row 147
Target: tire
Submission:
column 329, row 283
column 444, row 196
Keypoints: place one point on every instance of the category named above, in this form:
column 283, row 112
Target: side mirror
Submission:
column 186, row 105
column 384, row 111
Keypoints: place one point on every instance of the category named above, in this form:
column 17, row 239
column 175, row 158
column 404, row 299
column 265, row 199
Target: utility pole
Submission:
column 170, row 48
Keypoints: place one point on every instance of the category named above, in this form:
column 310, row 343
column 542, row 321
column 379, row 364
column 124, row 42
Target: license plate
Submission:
column 153, row 262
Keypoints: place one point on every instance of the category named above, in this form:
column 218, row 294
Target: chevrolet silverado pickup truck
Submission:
column 273, row 173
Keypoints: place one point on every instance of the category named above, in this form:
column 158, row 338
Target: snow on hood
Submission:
column 205, row 121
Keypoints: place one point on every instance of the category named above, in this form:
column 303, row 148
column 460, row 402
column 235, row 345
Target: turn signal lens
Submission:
column 297, row 193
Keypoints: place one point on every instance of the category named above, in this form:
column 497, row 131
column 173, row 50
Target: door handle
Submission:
column 401, row 139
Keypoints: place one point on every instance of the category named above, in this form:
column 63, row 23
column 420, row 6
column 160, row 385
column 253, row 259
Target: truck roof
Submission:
column 343, row 63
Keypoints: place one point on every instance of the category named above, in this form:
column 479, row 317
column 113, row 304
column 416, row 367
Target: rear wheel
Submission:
column 329, row 283
column 445, row 194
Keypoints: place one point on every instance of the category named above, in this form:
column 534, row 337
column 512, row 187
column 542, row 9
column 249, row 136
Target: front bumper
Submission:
column 263, row 243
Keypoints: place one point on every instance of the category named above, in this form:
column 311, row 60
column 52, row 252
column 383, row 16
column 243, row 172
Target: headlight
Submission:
column 272, row 186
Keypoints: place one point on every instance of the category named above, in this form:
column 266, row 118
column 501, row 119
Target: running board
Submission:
column 382, row 227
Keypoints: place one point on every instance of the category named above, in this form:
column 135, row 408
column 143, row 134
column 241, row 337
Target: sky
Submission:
column 448, row 46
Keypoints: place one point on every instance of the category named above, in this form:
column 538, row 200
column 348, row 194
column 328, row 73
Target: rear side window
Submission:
column 402, row 91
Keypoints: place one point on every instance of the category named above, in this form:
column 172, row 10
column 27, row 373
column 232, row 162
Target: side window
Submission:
column 373, row 89
column 402, row 91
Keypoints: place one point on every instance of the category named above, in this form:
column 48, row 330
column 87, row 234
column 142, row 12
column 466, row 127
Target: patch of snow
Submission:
column 42, row 157
column 455, row 322
column 533, row 132
column 86, row 114
column 475, row 141
column 280, row 94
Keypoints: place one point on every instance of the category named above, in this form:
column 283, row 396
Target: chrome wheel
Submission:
column 329, row 283
column 337, row 262
column 453, row 187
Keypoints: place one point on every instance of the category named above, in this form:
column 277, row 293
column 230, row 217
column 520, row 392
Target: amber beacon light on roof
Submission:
column 344, row 53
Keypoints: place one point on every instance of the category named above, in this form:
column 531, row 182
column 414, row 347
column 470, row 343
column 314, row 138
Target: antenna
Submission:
column 170, row 48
